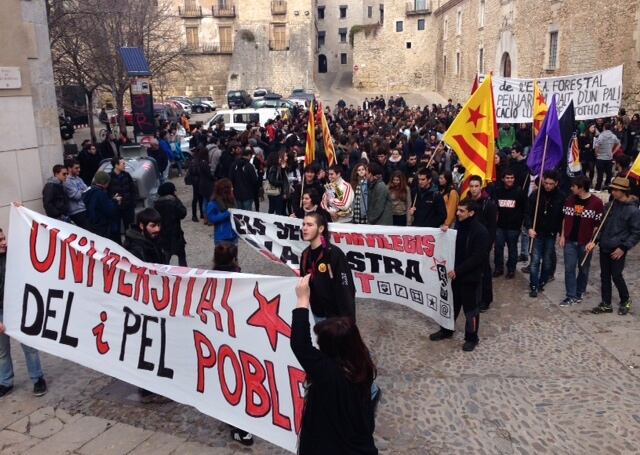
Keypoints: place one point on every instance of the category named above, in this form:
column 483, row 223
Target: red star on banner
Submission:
column 474, row 116
column 267, row 317
column 540, row 98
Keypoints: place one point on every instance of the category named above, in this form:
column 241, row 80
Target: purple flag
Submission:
column 549, row 132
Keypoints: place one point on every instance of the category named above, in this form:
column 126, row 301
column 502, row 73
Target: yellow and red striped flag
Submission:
column 310, row 150
column 329, row 149
column 634, row 171
column 540, row 108
column 573, row 158
column 472, row 133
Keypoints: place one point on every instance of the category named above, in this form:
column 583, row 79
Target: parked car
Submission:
column 238, row 99
column 273, row 103
column 206, row 100
column 301, row 97
column 184, row 103
column 260, row 93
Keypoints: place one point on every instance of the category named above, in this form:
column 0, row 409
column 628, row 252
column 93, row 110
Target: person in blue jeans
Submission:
column 543, row 221
column 512, row 202
column 582, row 215
column 31, row 355
column 218, row 212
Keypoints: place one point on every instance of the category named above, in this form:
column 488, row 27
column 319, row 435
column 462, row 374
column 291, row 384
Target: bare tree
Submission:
column 88, row 34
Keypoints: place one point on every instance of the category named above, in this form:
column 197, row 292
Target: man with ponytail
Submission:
column 332, row 289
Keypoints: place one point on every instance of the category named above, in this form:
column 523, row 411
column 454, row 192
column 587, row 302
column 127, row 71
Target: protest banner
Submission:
column 215, row 341
column 405, row 265
column 595, row 94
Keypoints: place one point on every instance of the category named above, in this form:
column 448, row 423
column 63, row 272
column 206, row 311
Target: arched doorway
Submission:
column 322, row 63
column 505, row 65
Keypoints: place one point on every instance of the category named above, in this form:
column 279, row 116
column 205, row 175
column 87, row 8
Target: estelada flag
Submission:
column 473, row 132
column 310, row 150
column 574, row 167
column 329, row 149
column 634, row 172
column 540, row 108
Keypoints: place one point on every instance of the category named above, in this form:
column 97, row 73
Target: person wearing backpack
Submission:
column 244, row 178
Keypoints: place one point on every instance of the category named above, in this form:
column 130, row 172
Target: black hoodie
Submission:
column 512, row 203
column 143, row 248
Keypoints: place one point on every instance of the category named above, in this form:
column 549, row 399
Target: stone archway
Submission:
column 506, row 56
column 505, row 65
column 322, row 63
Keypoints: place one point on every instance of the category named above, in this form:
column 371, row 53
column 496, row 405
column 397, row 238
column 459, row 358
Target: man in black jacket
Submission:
column 511, row 202
column 428, row 208
column 244, row 178
column 548, row 223
column 620, row 232
column 89, row 160
column 121, row 184
column 332, row 289
column 472, row 251
column 488, row 216
column 54, row 198
column 143, row 239
column 172, row 211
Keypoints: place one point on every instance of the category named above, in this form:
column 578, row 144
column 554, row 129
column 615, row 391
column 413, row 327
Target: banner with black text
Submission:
column 215, row 341
column 595, row 94
column 405, row 265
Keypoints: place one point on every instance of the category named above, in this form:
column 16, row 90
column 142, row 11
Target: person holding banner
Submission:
column 310, row 204
column 31, row 355
column 333, row 292
column 620, row 231
column 428, row 209
column 338, row 416
column 472, row 251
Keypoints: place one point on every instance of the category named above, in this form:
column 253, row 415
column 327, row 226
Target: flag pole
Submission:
column 535, row 213
column 604, row 219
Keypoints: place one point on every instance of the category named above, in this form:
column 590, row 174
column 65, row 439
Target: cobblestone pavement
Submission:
column 543, row 380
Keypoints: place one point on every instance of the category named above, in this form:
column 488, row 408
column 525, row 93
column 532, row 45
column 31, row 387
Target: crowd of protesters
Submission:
column 391, row 168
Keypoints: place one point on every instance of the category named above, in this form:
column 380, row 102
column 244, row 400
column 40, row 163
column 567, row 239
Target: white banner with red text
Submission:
column 405, row 265
column 215, row 341
column 595, row 94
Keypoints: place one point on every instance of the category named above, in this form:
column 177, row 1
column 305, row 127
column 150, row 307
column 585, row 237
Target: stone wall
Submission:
column 205, row 76
column 31, row 142
column 604, row 34
column 256, row 64
column 394, row 61
column 357, row 14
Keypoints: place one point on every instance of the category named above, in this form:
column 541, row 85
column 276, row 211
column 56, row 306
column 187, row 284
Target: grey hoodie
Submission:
column 74, row 187
column 622, row 227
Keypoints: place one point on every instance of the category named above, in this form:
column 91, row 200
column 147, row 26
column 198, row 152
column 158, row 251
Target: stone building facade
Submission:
column 519, row 38
column 243, row 44
column 31, row 142
column 334, row 21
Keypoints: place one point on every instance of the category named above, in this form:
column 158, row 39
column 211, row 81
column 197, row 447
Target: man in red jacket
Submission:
column 582, row 215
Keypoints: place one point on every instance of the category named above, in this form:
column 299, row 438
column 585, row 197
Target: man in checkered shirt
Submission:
column 582, row 215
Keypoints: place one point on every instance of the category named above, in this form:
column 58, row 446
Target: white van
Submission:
column 239, row 118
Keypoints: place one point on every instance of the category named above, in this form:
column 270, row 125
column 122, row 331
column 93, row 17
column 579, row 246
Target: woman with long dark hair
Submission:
column 400, row 196
column 218, row 212
column 338, row 416
column 310, row 204
column 450, row 196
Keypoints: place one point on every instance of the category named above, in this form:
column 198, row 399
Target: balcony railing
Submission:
column 223, row 11
column 210, row 49
column 418, row 8
column 278, row 45
column 278, row 7
column 190, row 11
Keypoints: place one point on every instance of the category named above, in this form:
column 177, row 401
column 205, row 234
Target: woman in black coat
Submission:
column 172, row 211
column 338, row 413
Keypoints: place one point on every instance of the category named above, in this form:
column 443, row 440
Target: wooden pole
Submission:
column 535, row 212
column 604, row 219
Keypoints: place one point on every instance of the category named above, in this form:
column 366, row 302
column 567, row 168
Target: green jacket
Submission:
column 379, row 209
column 506, row 138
